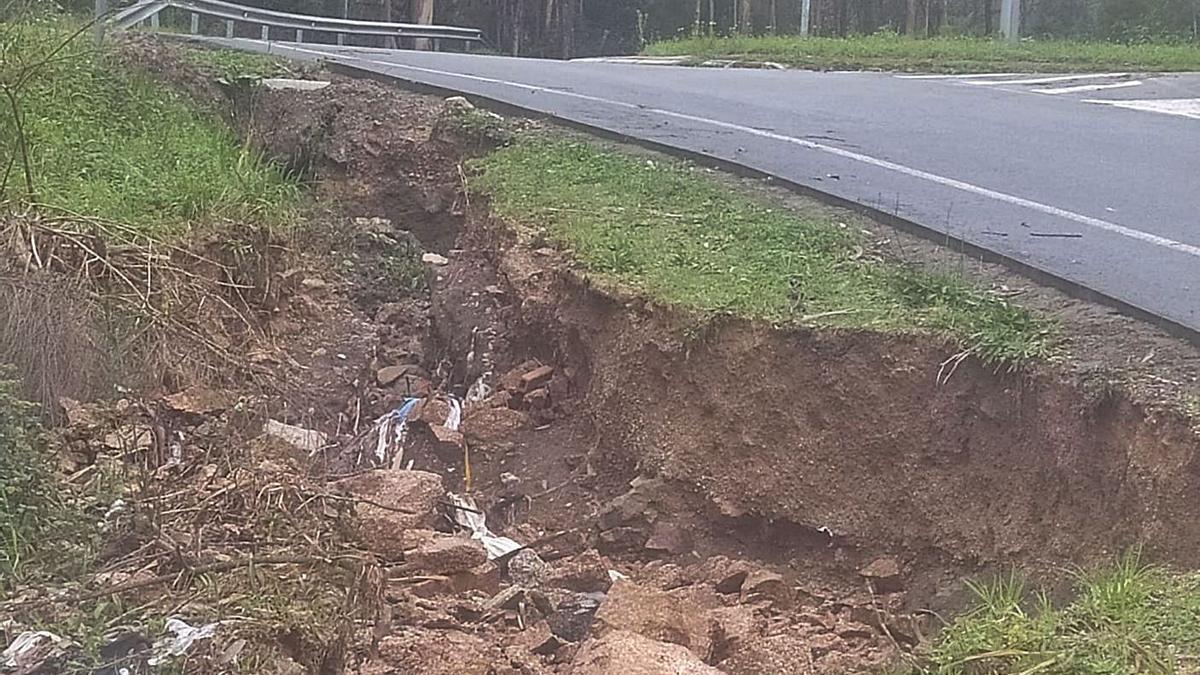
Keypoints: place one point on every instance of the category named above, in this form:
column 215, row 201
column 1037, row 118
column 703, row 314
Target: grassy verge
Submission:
column 941, row 55
column 1127, row 618
column 677, row 235
column 103, row 143
column 41, row 534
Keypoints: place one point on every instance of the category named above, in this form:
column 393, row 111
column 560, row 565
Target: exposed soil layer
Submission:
column 777, row 500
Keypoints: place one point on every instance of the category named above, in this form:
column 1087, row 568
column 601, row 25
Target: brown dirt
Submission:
column 780, row 500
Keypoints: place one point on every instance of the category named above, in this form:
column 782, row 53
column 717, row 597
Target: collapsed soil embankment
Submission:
column 694, row 492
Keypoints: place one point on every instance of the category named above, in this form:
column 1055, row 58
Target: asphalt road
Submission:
column 1095, row 180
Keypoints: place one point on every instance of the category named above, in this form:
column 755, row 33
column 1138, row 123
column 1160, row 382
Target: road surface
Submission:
column 1091, row 179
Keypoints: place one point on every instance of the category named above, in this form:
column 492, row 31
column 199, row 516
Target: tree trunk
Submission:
column 745, row 19
column 422, row 13
column 774, row 15
column 910, row 18
column 987, row 17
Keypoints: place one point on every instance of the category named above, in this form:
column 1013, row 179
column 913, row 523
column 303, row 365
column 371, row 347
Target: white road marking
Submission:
column 1049, row 80
column 1184, row 107
column 1088, row 87
column 973, row 76
column 963, row 186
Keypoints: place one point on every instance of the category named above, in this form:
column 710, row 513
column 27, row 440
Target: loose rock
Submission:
column 627, row 653
column 656, row 615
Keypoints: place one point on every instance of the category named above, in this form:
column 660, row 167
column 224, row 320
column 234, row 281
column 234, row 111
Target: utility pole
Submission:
column 805, row 14
column 1010, row 20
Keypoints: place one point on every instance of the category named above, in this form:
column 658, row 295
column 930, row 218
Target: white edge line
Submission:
column 970, row 76
column 1049, row 80
column 963, row 186
column 1088, row 87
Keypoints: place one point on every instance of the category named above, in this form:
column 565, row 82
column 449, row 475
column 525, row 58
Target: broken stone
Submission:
column 732, row 583
column 386, row 376
column 435, row 259
column 765, row 584
column 526, row 568
column 308, row 440
column 621, row 540
column 492, row 425
column 573, row 619
column 511, row 381
column 508, row 598
column 536, row 377
column 78, row 414
column 627, row 653
column 853, row 630
column 656, row 615
column 446, row 436
column 314, row 283
column 669, row 538
column 402, row 501
column 198, row 401
column 538, row 399
column 732, row 628
column 484, row 578
column 459, row 103
column 447, row 554
column 585, row 573
column 884, row 574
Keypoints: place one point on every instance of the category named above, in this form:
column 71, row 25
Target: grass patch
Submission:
column 677, row 235
column 941, row 55
column 1127, row 618
column 105, row 143
column 232, row 64
column 41, row 533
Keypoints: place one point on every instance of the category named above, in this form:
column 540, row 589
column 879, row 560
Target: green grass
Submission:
column 105, row 143
column 41, row 532
column 675, row 234
column 231, row 64
column 1127, row 618
column 943, row 55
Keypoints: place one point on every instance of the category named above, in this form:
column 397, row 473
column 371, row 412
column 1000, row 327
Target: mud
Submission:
column 777, row 500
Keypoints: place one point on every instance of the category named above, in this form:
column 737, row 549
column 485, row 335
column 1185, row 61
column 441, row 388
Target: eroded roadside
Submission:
column 689, row 492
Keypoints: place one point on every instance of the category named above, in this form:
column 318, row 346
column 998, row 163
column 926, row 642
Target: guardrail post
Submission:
column 155, row 23
column 341, row 39
column 98, row 28
column 299, row 36
column 228, row 28
column 195, row 23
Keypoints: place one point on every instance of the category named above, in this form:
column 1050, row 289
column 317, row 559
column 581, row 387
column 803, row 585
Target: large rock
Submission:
column 430, row 652
column 446, row 554
column 493, row 425
column 624, row 652
column 657, row 615
column 393, row 501
column 585, row 573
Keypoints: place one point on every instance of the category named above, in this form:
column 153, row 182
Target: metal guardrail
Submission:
column 232, row 13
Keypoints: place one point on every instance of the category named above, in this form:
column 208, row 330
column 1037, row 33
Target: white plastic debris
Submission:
column 305, row 439
column 435, row 259
column 29, row 649
column 392, row 428
column 614, row 576
column 474, row 521
column 184, row 637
